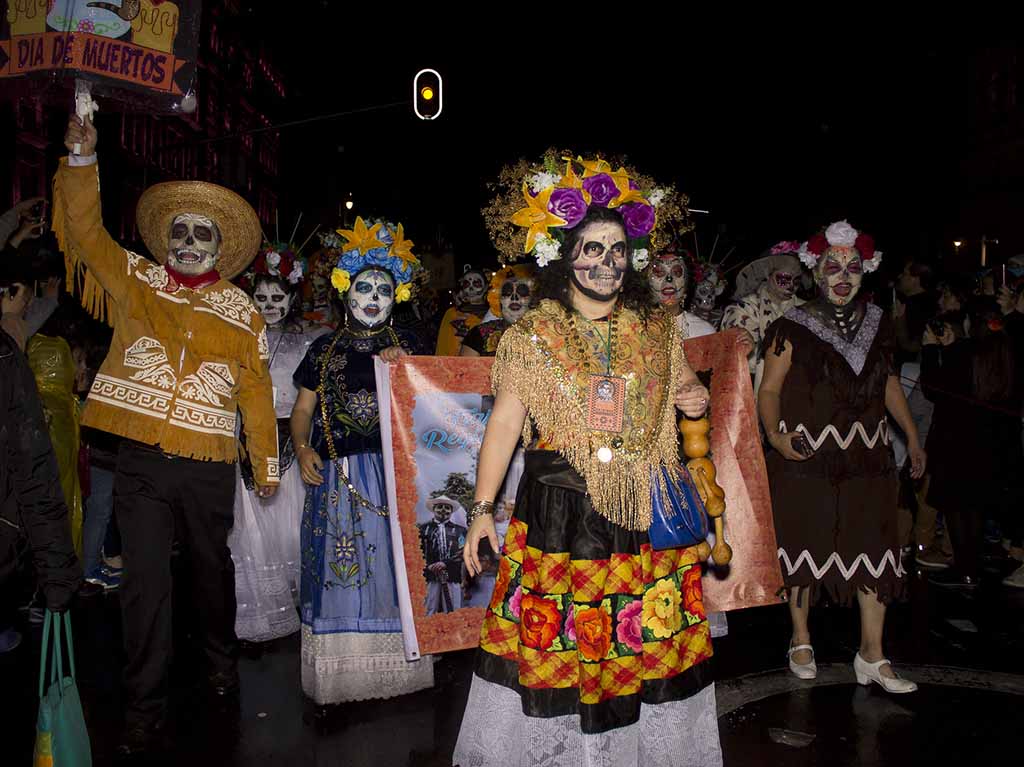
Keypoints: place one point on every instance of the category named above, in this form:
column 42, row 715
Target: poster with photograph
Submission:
column 434, row 411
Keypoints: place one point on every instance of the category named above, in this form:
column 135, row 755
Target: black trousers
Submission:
column 159, row 499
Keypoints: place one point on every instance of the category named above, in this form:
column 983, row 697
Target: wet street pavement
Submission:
column 965, row 650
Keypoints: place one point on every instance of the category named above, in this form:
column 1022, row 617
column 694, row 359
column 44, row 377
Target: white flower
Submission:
column 546, row 251
column 273, row 259
column 540, row 181
column 641, row 257
column 296, row 274
column 656, row 197
column 807, row 258
column 841, row 235
column 874, row 263
column 330, row 240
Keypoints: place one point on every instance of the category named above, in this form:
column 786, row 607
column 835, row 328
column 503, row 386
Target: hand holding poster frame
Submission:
column 433, row 413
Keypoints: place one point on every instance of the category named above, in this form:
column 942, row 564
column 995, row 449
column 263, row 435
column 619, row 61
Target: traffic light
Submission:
column 427, row 95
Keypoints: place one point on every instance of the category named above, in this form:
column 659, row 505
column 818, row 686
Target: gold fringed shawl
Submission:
column 95, row 299
column 535, row 362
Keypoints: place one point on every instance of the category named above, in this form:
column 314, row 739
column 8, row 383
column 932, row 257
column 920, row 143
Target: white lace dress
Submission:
column 264, row 541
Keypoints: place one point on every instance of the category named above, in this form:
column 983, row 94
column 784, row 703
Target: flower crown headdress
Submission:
column 534, row 206
column 279, row 259
column 841, row 235
column 380, row 244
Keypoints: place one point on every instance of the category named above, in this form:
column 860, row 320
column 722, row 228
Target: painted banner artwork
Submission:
column 143, row 44
column 433, row 415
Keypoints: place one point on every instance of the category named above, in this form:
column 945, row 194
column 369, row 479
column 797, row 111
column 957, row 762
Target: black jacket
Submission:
column 33, row 515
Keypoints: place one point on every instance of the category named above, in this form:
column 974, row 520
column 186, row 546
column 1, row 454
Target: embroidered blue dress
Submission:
column 351, row 632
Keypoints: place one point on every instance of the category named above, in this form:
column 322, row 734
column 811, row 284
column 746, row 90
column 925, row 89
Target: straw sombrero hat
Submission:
column 237, row 221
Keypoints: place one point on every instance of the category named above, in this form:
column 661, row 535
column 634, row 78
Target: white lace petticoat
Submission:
column 496, row 733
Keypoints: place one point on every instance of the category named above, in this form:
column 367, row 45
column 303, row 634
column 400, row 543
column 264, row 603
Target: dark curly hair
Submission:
column 554, row 279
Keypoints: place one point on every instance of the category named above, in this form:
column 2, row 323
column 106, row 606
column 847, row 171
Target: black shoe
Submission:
column 141, row 739
column 223, row 684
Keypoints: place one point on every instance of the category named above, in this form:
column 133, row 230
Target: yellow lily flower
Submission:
column 535, row 217
column 360, row 237
column 621, row 179
column 401, row 249
column 594, row 167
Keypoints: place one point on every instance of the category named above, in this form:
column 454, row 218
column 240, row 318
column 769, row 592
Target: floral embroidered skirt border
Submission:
column 589, row 626
column 351, row 632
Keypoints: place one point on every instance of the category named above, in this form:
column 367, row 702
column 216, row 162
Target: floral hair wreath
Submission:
column 275, row 259
column 841, row 235
column 535, row 204
column 380, row 244
column 518, row 271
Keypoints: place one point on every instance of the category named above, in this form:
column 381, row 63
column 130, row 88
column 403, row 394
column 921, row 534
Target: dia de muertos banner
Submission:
column 433, row 412
column 148, row 45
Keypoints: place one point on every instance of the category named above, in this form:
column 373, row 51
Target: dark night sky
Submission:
column 774, row 142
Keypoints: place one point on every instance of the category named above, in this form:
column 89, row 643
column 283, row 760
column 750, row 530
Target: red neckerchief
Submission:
column 193, row 281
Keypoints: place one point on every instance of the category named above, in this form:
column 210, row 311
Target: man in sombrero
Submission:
column 189, row 352
column 442, row 540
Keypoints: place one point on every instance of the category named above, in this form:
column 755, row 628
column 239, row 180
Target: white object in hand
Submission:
column 84, row 105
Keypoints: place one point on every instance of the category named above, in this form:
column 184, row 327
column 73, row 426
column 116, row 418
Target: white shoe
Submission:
column 802, row 670
column 1015, row 579
column 869, row 672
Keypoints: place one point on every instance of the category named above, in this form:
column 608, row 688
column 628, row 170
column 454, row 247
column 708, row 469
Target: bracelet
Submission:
column 480, row 509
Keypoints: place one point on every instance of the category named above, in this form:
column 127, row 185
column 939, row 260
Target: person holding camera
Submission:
column 829, row 380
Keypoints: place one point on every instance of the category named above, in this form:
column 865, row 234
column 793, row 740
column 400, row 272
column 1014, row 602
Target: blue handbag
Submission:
column 61, row 737
column 678, row 516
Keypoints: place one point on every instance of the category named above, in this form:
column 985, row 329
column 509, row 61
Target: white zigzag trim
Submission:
column 881, row 433
column 889, row 558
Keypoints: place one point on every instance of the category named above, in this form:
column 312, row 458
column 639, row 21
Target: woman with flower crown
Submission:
column 264, row 540
column 351, row 633
column 829, row 380
column 595, row 645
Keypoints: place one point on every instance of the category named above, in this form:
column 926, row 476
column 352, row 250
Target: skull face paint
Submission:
column 193, row 244
column 272, row 300
column 515, row 298
column 443, row 511
column 371, row 298
column 839, row 274
column 668, row 279
column 782, row 282
column 473, row 287
column 600, row 261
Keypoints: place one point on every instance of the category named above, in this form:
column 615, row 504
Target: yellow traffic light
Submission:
column 428, row 96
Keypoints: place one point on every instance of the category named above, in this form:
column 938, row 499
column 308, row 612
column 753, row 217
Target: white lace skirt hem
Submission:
column 496, row 733
column 352, row 666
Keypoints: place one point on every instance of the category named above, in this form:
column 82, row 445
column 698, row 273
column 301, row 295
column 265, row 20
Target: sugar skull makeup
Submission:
column 473, row 287
column 839, row 274
column 668, row 278
column 371, row 298
column 601, row 260
column 272, row 300
column 782, row 282
column 515, row 298
column 193, row 244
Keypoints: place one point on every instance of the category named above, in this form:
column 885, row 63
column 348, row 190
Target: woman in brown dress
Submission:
column 829, row 380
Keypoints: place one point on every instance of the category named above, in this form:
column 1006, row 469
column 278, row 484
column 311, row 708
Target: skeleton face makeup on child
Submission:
column 371, row 298
column 443, row 512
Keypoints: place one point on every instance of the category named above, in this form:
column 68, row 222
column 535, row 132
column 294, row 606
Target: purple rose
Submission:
column 630, row 631
column 602, row 189
column 638, row 218
column 568, row 204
